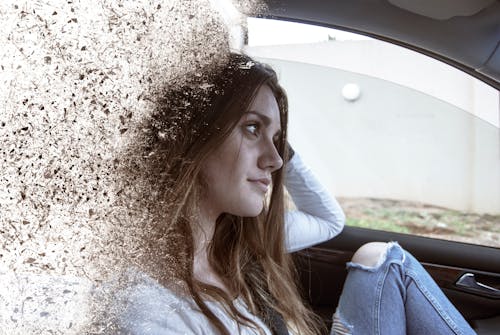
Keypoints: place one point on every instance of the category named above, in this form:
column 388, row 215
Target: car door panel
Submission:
column 323, row 271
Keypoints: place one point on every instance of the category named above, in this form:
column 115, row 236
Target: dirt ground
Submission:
column 421, row 219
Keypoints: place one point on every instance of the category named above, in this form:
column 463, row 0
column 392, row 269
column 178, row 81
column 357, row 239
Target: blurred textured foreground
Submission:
column 75, row 78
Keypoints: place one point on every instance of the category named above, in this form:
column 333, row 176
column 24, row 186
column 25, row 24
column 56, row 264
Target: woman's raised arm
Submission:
column 318, row 217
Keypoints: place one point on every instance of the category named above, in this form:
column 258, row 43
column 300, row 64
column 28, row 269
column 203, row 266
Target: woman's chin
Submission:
column 252, row 211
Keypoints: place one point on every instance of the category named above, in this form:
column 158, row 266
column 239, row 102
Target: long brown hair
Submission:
column 193, row 116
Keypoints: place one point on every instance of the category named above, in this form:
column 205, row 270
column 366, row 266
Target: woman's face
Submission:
column 238, row 173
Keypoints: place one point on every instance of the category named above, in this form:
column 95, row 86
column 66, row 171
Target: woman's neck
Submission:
column 203, row 231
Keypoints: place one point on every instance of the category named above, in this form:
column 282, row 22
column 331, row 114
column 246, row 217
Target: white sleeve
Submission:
column 153, row 310
column 318, row 217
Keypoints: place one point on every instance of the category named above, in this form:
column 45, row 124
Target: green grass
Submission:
column 424, row 220
column 378, row 225
column 405, row 221
column 457, row 222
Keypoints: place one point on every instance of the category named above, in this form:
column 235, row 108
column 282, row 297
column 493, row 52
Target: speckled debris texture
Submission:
column 76, row 77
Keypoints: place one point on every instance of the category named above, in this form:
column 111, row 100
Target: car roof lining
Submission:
column 442, row 9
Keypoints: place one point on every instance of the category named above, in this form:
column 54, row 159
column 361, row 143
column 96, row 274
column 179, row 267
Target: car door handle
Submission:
column 467, row 282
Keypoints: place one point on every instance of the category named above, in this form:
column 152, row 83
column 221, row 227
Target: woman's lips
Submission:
column 262, row 184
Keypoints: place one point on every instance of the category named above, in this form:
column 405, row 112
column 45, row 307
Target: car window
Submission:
column 406, row 143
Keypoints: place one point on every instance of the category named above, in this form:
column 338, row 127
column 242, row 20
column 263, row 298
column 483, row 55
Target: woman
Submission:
column 218, row 257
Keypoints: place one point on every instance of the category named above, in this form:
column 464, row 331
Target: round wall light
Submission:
column 351, row 92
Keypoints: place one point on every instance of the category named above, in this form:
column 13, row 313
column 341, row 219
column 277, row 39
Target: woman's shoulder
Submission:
column 149, row 307
column 139, row 289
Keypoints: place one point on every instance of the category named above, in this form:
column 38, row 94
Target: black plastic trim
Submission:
column 429, row 250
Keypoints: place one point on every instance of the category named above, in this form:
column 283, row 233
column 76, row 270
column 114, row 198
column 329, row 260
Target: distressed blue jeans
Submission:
column 396, row 296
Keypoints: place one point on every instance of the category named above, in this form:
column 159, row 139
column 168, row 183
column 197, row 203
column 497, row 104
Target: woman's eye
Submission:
column 252, row 128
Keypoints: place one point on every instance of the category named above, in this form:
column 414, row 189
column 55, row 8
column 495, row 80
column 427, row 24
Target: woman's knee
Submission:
column 370, row 253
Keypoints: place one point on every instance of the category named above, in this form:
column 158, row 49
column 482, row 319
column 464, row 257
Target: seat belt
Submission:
column 276, row 322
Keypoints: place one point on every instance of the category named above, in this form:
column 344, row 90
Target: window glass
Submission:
column 406, row 143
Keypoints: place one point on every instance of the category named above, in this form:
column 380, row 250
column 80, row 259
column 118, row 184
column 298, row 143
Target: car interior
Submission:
column 466, row 35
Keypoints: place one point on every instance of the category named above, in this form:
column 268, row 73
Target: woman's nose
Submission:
column 271, row 158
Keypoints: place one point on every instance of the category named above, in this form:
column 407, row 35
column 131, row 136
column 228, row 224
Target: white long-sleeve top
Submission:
column 155, row 310
column 318, row 217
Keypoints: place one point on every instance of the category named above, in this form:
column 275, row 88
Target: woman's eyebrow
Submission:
column 265, row 119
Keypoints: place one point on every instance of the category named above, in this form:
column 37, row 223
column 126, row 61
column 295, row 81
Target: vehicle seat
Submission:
column 490, row 326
